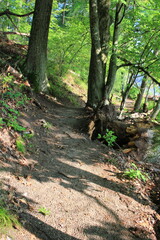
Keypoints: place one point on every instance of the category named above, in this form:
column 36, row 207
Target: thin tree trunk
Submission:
column 156, row 110
column 130, row 83
column 140, row 95
column 37, row 50
column 124, row 97
column 146, row 99
column 64, row 12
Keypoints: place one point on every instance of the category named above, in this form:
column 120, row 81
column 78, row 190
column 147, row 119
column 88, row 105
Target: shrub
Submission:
column 109, row 137
column 135, row 173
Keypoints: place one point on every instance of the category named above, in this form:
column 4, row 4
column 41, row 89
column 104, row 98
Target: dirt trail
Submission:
column 69, row 175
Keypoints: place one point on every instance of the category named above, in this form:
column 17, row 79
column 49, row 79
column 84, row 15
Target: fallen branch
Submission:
column 16, row 33
column 14, row 72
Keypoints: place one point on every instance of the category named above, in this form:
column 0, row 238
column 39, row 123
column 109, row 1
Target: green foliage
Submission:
column 20, row 144
column 158, row 117
column 10, row 103
column 7, row 79
column 133, row 92
column 151, row 105
column 44, row 211
column 57, row 88
column 135, row 173
column 11, row 116
column 7, row 219
column 28, row 135
column 19, row 98
column 69, row 46
column 15, row 125
column 121, row 77
column 108, row 137
column 2, row 123
column 47, row 125
column 22, row 24
column 61, row 91
column 69, row 42
column 8, row 108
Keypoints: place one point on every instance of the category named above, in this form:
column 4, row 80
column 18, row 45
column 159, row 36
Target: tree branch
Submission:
column 124, row 10
column 128, row 63
column 8, row 12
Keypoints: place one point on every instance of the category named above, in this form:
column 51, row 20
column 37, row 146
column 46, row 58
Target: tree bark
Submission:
column 140, row 95
column 130, row 83
column 37, row 50
column 156, row 110
column 146, row 99
column 113, row 60
column 99, row 28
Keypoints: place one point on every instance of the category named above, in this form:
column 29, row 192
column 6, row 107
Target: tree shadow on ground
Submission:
column 115, row 231
column 57, row 150
column 43, row 231
column 29, row 222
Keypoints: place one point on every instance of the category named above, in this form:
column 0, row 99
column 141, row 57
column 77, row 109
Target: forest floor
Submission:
column 66, row 186
column 75, row 180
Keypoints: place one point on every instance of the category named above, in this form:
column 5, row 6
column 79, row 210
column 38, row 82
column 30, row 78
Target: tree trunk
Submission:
column 130, row 83
column 113, row 60
column 146, row 99
column 156, row 110
column 140, row 95
column 64, row 12
column 37, row 50
column 124, row 97
column 99, row 27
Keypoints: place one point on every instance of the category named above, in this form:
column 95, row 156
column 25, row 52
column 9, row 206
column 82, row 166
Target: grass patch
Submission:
column 44, row 211
column 2, row 123
column 135, row 173
column 7, row 219
column 15, row 125
column 62, row 92
column 28, row 135
column 20, row 144
column 81, row 83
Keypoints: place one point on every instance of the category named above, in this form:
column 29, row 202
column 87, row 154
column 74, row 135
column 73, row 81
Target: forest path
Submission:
column 73, row 178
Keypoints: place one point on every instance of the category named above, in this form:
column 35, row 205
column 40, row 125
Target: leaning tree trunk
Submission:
column 126, row 91
column 156, row 110
column 146, row 99
column 99, row 28
column 37, row 50
column 140, row 95
column 120, row 11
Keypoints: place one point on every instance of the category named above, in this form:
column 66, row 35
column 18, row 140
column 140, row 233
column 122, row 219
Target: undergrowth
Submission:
column 63, row 92
column 135, row 173
column 44, row 211
column 108, row 137
column 13, row 100
column 20, row 144
column 7, row 219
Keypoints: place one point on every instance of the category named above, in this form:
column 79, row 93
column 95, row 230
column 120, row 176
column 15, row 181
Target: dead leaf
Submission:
column 131, row 143
column 23, row 162
column 30, row 207
column 127, row 150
